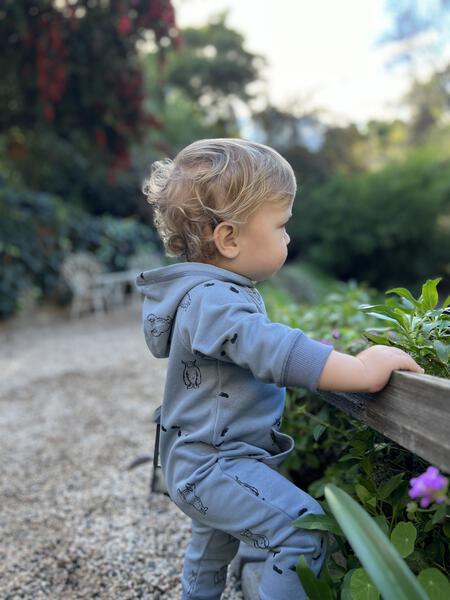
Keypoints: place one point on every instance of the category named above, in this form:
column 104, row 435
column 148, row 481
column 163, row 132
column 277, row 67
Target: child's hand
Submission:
column 380, row 361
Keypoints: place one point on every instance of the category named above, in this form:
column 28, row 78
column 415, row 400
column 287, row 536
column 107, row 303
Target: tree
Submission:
column 72, row 84
column 430, row 103
column 213, row 69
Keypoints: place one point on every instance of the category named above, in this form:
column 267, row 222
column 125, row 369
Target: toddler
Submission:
column 222, row 205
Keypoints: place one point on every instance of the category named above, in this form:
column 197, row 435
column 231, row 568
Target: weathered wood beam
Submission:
column 412, row 410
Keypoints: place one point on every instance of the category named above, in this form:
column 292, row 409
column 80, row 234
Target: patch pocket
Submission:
column 286, row 444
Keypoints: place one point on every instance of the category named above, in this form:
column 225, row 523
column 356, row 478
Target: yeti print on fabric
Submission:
column 158, row 325
column 254, row 295
column 277, row 422
column 220, row 576
column 192, row 581
column 247, row 485
column 192, row 376
column 259, row 540
column 186, row 302
column 189, row 496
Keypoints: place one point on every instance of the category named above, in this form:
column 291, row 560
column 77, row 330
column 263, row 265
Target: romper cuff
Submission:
column 305, row 363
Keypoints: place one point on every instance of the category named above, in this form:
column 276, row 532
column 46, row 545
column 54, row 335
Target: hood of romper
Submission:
column 164, row 288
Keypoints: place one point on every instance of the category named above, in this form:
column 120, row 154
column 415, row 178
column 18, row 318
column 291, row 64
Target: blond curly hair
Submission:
column 210, row 181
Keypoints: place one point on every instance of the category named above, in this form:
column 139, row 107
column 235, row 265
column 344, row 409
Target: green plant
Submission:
column 383, row 568
column 416, row 326
column 334, row 448
column 387, row 227
column 38, row 230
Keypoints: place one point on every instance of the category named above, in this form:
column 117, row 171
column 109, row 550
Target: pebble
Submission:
column 75, row 412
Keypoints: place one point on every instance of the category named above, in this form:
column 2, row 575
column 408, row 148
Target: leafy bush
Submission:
column 416, row 326
column 38, row 230
column 384, row 569
column 118, row 239
column 334, row 448
column 385, row 228
column 34, row 234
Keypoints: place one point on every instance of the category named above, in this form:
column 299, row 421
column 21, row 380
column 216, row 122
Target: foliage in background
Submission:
column 71, row 81
column 37, row 231
column 333, row 447
column 386, row 228
column 200, row 83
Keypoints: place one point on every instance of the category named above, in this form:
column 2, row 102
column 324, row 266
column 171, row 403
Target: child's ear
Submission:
column 226, row 239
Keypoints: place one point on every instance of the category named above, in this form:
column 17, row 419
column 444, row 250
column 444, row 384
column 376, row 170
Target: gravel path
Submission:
column 76, row 399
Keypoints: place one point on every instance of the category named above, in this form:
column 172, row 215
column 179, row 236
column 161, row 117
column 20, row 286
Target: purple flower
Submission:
column 431, row 486
column 393, row 335
column 336, row 334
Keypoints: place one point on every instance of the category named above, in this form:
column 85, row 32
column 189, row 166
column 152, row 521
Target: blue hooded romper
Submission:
column 220, row 442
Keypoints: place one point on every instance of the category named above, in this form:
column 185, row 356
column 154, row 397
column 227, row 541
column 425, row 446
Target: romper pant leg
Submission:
column 206, row 562
column 254, row 503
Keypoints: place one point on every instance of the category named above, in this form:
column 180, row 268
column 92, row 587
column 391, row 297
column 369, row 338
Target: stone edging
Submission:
column 247, row 566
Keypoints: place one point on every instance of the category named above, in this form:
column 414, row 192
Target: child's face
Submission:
column 263, row 241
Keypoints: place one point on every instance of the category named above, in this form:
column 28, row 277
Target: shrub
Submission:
column 38, row 230
column 385, row 228
column 334, row 448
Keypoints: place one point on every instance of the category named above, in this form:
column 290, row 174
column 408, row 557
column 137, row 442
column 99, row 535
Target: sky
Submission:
column 321, row 53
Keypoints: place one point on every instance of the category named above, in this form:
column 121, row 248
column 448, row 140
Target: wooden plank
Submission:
column 412, row 410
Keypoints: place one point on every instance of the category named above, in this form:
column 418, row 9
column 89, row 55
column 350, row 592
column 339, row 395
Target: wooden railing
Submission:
column 412, row 410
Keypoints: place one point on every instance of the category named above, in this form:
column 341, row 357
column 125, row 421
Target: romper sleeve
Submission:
column 224, row 325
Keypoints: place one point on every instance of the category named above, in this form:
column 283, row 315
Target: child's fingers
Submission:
column 408, row 363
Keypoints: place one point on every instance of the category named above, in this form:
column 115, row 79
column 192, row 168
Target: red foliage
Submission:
column 124, row 26
column 100, row 137
column 51, row 59
column 81, row 57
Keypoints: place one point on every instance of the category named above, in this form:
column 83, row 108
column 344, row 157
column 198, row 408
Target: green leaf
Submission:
column 315, row 489
column 372, row 501
column 377, row 339
column 318, row 430
column 446, row 529
column 404, row 537
column 405, row 294
column 377, row 555
column 315, row 589
column 362, row 492
column 389, row 486
column 446, row 302
column 362, row 586
column 439, row 515
column 322, row 522
column 429, row 297
column 367, row 465
column 388, row 313
column 382, row 524
column 345, row 589
column 435, row 583
column 380, row 315
column 442, row 350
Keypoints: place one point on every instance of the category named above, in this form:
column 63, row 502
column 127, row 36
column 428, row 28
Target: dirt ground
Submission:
column 76, row 401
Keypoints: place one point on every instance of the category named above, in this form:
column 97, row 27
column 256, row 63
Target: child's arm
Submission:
column 368, row 371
